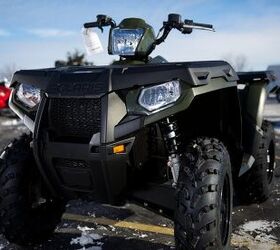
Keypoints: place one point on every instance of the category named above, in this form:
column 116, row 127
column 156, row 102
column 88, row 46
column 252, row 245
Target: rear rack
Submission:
column 254, row 77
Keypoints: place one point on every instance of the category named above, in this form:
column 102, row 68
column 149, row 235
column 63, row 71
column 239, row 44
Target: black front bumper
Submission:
column 73, row 170
column 75, row 164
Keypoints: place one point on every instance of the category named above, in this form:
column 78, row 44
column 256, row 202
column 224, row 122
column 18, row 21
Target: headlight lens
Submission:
column 125, row 41
column 158, row 96
column 28, row 95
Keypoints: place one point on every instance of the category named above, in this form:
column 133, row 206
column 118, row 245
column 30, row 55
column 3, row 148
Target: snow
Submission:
column 85, row 229
column 139, row 235
column 91, row 248
column 88, row 238
column 259, row 226
column 256, row 235
column 102, row 228
column 11, row 122
column 113, row 229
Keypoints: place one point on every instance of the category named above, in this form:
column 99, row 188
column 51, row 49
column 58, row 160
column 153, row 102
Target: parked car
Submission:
column 4, row 99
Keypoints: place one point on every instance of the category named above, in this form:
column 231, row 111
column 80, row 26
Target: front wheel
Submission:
column 204, row 197
column 28, row 214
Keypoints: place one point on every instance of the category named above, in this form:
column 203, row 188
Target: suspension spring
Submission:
column 171, row 136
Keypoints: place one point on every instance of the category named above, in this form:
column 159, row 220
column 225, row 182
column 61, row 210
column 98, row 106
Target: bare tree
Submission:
column 239, row 62
column 8, row 71
column 75, row 58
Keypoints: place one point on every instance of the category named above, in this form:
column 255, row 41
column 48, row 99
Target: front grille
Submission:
column 74, row 119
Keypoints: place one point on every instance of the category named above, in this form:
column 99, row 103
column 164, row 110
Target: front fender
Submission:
column 138, row 117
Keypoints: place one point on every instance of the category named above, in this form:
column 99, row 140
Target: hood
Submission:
column 96, row 81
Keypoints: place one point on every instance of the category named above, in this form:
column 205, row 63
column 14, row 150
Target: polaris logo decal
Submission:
column 78, row 88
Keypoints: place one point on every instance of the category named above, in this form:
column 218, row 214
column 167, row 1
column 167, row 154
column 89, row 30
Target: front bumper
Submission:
column 74, row 169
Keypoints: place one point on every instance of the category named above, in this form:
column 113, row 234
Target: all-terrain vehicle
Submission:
column 177, row 136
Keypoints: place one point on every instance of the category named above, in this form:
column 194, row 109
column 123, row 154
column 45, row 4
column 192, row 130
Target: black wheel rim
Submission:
column 270, row 160
column 225, row 211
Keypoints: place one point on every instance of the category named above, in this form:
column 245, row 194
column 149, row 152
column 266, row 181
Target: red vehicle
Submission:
column 4, row 98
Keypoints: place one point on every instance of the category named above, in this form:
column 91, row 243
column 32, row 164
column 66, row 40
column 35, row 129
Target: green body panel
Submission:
column 253, row 98
column 255, row 101
column 116, row 111
column 183, row 103
column 254, row 89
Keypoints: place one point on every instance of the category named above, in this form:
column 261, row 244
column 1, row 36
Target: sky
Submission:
column 35, row 33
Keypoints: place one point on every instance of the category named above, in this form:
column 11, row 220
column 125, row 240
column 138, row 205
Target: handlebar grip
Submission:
column 90, row 25
column 205, row 25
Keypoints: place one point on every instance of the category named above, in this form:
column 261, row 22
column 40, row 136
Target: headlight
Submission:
column 158, row 96
column 28, row 95
column 125, row 41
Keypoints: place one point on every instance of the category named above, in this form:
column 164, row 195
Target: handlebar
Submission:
column 205, row 25
column 102, row 21
column 90, row 25
column 174, row 22
column 189, row 24
column 186, row 27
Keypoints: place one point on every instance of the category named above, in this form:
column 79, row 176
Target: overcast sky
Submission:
column 33, row 33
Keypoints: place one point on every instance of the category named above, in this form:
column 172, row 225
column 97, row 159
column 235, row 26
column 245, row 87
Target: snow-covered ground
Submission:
column 88, row 237
column 257, row 235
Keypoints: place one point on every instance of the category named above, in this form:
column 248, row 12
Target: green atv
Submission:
column 176, row 136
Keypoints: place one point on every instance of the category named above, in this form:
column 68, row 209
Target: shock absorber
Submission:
column 171, row 136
